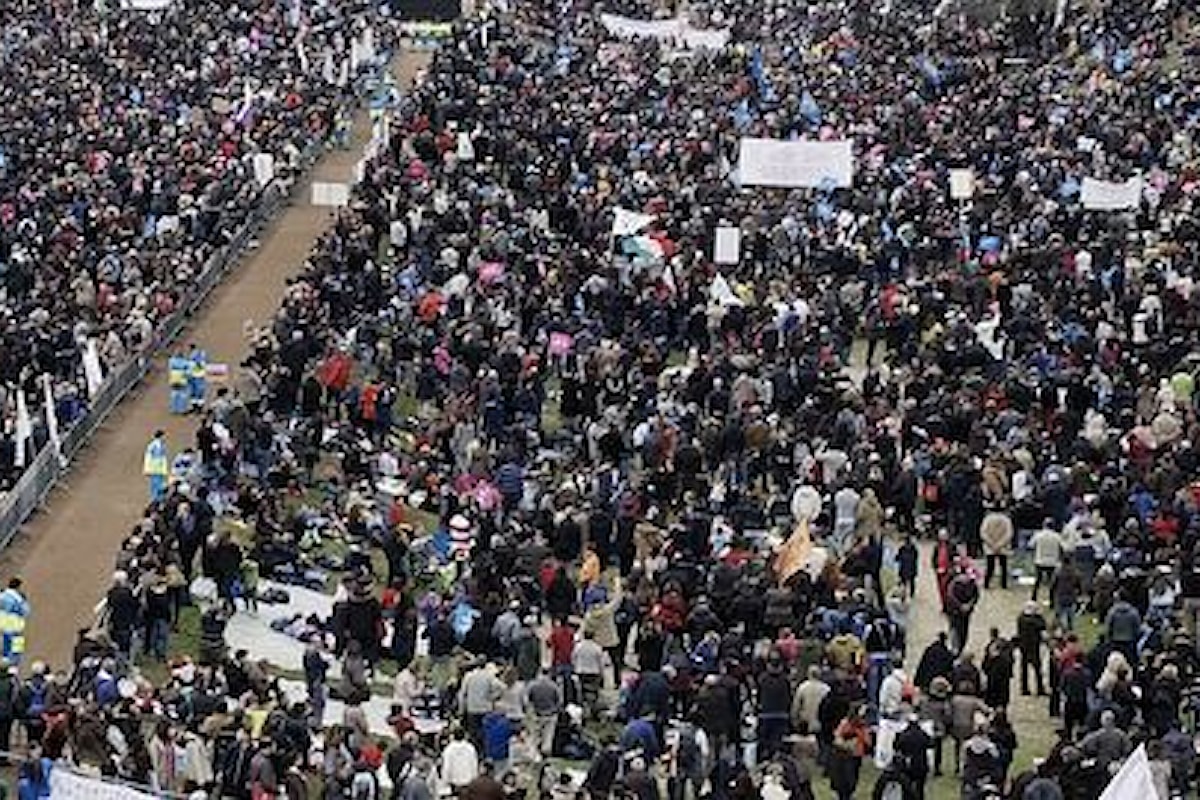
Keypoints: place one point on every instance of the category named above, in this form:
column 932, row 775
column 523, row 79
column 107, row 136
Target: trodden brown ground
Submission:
column 65, row 553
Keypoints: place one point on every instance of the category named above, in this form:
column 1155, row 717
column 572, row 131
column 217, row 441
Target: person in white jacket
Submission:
column 460, row 762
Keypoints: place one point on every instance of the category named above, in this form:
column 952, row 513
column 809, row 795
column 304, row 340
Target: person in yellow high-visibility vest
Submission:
column 155, row 466
column 14, row 609
column 198, row 376
column 179, row 373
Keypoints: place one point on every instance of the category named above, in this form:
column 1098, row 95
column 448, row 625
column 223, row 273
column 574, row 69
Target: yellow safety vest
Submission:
column 154, row 463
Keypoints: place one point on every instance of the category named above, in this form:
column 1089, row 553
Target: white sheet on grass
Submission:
column 791, row 165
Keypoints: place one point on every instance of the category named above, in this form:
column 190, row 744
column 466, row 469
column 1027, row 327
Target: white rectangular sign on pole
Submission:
column 794, row 165
column 1108, row 196
column 962, row 184
column 727, row 247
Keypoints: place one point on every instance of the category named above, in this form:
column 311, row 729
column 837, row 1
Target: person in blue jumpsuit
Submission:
column 155, row 466
column 179, row 371
column 198, row 377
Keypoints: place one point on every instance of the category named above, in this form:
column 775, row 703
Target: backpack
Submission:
column 37, row 699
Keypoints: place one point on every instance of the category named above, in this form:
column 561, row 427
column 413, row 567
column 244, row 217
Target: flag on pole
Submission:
column 92, row 371
column 24, row 430
column 627, row 223
column 1134, row 780
column 51, row 414
column 795, row 552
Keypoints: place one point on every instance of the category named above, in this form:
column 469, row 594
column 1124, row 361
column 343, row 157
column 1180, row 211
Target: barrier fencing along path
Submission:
column 50, row 464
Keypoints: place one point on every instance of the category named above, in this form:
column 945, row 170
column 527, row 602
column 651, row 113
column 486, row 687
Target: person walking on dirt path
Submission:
column 156, row 467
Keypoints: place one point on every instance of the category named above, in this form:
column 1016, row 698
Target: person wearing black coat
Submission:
column 911, row 756
column 936, row 662
column 774, row 707
column 124, row 614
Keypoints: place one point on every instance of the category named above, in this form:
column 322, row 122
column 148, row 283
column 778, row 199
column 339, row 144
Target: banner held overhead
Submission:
column 796, row 165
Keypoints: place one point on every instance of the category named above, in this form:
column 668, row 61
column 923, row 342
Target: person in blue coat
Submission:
column 179, row 370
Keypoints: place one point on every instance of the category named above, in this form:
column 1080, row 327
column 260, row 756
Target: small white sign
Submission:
column 727, row 247
column 962, row 184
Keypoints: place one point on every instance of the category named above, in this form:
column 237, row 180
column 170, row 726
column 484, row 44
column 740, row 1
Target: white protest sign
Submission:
column 790, row 165
column 330, row 194
column 466, row 149
column 1109, row 196
column 727, row 246
column 264, row 169
column 962, row 184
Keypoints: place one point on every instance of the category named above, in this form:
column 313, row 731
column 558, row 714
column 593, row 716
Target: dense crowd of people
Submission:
column 590, row 497
column 127, row 159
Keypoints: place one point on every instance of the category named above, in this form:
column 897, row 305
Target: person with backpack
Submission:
column 910, row 751
column 687, row 761
column 33, row 702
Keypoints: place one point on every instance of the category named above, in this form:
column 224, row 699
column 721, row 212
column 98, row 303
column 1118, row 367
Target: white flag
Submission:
column 1133, row 781
column 92, row 371
column 51, row 414
column 24, row 431
column 627, row 223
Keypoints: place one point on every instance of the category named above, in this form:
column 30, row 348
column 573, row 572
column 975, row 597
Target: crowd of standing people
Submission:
column 128, row 159
column 589, row 496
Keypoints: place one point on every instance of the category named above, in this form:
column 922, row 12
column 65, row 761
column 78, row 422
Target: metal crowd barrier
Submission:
column 43, row 472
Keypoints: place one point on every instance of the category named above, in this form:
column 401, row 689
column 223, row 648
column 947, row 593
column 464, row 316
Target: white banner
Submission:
column 67, row 785
column 1108, row 196
column 812, row 165
column 23, row 434
column 51, row 413
column 330, row 194
column 666, row 31
column 727, row 247
column 146, row 5
column 264, row 169
column 962, row 184
column 92, row 372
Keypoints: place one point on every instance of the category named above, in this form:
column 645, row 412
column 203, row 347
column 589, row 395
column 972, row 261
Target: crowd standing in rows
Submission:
column 593, row 498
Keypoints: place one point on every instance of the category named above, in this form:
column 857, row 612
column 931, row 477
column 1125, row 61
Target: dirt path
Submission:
column 65, row 554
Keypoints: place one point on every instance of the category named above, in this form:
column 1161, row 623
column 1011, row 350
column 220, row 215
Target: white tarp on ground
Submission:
column 791, row 165
column 676, row 31
column 252, row 632
column 67, row 785
column 330, row 194
column 1109, row 196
